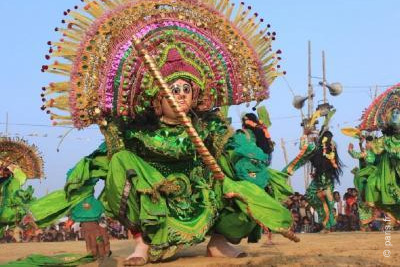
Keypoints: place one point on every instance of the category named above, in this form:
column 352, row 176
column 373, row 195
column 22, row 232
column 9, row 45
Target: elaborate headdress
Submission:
column 219, row 47
column 377, row 115
column 19, row 152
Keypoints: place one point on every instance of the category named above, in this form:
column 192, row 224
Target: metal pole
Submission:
column 285, row 155
column 310, row 110
column 6, row 123
column 310, row 87
column 324, row 75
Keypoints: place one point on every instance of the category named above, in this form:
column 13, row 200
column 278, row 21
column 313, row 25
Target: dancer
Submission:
column 321, row 152
column 18, row 162
column 250, row 153
column 382, row 189
column 367, row 165
column 150, row 74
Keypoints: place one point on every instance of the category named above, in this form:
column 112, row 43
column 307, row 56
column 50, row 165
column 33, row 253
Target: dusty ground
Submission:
column 334, row 249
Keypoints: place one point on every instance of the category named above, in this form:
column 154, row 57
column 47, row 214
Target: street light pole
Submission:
column 324, row 76
column 310, row 86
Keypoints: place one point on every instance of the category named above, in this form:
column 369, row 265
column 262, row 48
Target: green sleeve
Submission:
column 301, row 159
column 370, row 157
column 17, row 180
column 355, row 154
column 86, row 173
column 19, row 176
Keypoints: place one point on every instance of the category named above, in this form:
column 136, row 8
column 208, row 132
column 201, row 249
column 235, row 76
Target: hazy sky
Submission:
column 361, row 39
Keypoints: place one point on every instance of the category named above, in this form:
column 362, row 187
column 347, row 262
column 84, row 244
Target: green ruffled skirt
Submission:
column 172, row 212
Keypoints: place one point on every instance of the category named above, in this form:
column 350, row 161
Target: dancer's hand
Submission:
column 96, row 237
column 351, row 147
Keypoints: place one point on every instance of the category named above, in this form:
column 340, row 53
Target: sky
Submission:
column 360, row 38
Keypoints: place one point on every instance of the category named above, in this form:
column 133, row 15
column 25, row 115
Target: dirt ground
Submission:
column 333, row 249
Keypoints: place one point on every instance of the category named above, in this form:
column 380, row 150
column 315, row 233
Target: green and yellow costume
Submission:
column 382, row 187
column 158, row 185
column 18, row 162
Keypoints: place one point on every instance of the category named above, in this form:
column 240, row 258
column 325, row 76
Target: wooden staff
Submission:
column 205, row 155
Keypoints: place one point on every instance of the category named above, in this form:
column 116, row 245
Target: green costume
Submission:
column 367, row 167
column 382, row 189
column 252, row 164
column 13, row 199
column 159, row 185
column 326, row 168
column 383, row 185
column 19, row 161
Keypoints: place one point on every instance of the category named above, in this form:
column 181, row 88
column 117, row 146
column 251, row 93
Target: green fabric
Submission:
column 67, row 260
column 88, row 210
column 159, row 186
column 300, row 160
column 180, row 217
column 249, row 161
column 263, row 116
column 259, row 206
column 316, row 203
column 14, row 199
column 278, row 186
column 80, row 185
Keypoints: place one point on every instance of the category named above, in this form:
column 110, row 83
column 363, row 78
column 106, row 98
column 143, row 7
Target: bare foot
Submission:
column 325, row 231
column 140, row 256
column 269, row 243
column 219, row 247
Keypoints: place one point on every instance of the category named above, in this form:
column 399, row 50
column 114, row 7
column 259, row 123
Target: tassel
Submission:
column 94, row 9
column 110, row 4
column 58, row 72
column 64, row 53
column 67, row 44
column 61, row 66
column 78, row 24
column 239, row 14
column 72, row 35
column 62, row 123
column 267, row 58
column 60, row 102
column 54, row 116
column 224, row 6
column 229, row 11
column 81, row 18
column 242, row 21
column 60, row 87
column 219, row 5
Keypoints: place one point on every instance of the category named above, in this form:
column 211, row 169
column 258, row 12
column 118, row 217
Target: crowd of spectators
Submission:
column 346, row 212
column 67, row 230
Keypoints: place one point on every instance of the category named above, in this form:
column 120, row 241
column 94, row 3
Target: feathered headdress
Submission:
column 224, row 49
column 377, row 115
column 19, row 152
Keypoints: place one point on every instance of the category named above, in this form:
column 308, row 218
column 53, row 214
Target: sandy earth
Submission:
column 334, row 249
